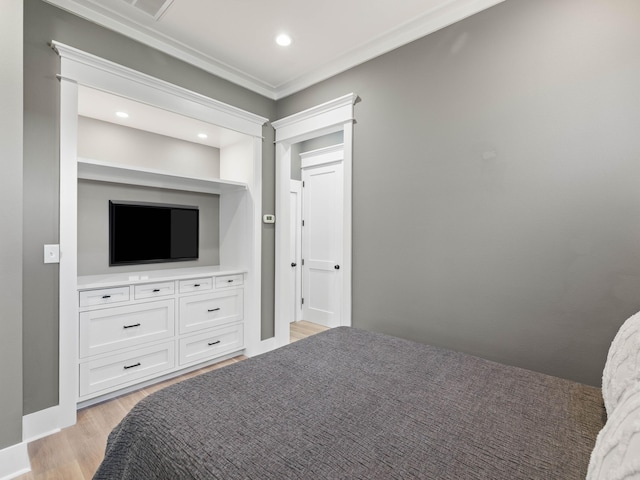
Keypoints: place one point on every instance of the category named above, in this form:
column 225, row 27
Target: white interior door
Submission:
column 322, row 243
column 295, row 240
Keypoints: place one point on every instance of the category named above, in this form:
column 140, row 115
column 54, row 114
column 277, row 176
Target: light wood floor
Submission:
column 76, row 452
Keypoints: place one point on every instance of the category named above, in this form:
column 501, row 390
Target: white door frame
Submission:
column 330, row 117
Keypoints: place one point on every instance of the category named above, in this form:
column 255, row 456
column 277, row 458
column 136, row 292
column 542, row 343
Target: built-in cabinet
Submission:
column 173, row 334
column 135, row 328
column 138, row 327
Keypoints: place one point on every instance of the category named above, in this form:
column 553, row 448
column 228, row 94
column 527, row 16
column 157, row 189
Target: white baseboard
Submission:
column 40, row 424
column 263, row 347
column 14, row 461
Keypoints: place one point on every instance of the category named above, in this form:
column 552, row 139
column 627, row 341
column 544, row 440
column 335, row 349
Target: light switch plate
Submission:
column 52, row 254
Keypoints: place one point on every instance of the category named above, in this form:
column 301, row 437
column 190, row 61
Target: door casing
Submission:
column 333, row 116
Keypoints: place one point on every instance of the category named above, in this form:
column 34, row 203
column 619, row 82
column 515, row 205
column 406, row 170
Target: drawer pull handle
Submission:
column 127, row 367
column 213, row 309
column 214, row 343
column 131, row 326
column 106, row 296
column 196, row 284
column 229, row 281
column 156, row 290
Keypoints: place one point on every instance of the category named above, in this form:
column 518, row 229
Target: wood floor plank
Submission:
column 75, row 453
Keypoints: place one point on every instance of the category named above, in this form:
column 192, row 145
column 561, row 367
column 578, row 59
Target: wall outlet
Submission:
column 269, row 218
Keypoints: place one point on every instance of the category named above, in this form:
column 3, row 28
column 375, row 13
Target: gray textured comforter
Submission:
column 350, row 404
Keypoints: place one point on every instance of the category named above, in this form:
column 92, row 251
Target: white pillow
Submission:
column 622, row 369
column 616, row 455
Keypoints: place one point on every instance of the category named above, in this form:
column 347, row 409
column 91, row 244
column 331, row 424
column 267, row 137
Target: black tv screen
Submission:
column 152, row 233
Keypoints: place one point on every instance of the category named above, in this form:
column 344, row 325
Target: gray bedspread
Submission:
column 350, row 404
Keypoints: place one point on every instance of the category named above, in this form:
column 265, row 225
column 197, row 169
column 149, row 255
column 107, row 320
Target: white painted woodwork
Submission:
column 89, row 169
column 240, row 190
column 125, row 368
column 261, row 68
column 108, row 76
column 14, row 461
column 333, row 116
column 229, row 281
column 322, row 244
column 328, row 117
column 215, row 342
column 152, row 290
column 196, row 285
column 110, row 329
column 91, row 282
column 104, row 296
column 210, row 310
column 295, row 241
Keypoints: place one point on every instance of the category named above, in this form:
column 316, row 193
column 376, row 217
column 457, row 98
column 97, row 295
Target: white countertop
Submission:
column 132, row 278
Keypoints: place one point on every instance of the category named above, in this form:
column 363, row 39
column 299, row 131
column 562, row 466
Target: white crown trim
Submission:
column 436, row 19
column 167, row 45
column 324, row 117
column 249, row 123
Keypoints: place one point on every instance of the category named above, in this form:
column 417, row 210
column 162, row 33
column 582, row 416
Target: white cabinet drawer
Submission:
column 109, row 329
column 196, row 285
column 104, row 296
column 117, row 370
column 211, row 344
column 151, row 290
column 210, row 310
column 229, row 280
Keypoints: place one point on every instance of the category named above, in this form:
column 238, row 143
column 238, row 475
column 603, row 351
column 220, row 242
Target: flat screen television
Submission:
column 152, row 233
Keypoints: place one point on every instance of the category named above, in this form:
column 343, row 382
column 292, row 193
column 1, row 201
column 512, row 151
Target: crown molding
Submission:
column 166, row 45
column 447, row 14
column 442, row 16
column 324, row 117
column 84, row 64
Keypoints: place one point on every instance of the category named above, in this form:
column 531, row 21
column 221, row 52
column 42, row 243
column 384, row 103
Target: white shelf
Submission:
column 89, row 169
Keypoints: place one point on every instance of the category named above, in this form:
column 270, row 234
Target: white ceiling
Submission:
column 234, row 39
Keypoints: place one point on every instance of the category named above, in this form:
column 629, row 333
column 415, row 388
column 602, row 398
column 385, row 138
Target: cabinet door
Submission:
column 117, row 371
column 211, row 310
column 210, row 344
column 110, row 329
column 104, row 296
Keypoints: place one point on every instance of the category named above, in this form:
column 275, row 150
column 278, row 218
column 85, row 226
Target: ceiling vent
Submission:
column 153, row 8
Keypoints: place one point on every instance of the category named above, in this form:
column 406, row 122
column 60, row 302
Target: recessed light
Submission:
column 283, row 40
column 122, row 114
column 202, row 135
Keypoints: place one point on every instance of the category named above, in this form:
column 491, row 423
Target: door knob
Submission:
column 337, row 267
column 294, row 264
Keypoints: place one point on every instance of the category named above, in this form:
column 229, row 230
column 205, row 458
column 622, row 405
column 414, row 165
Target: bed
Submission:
column 352, row 404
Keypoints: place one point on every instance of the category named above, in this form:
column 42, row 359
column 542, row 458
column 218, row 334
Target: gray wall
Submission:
column 43, row 23
column 93, row 224
column 496, row 207
column 110, row 142
column 11, row 152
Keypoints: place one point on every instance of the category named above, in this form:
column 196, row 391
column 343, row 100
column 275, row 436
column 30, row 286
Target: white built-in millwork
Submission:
column 145, row 326
column 161, row 338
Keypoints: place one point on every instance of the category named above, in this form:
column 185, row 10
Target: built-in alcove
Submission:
column 136, row 148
